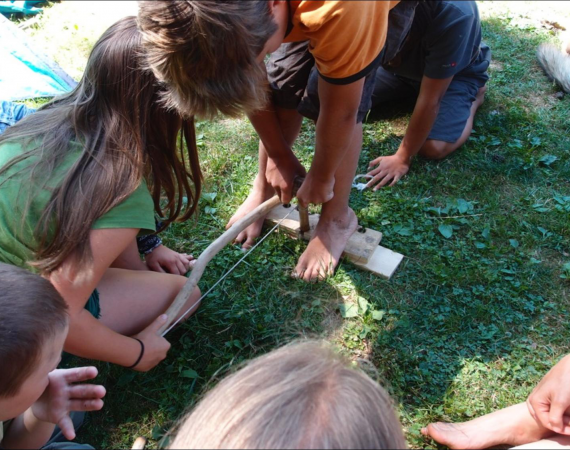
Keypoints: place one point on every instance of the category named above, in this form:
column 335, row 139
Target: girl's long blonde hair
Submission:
column 303, row 395
column 124, row 135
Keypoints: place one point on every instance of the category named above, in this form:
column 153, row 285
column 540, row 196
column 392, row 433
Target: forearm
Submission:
column 424, row 116
column 89, row 338
column 333, row 137
column 421, row 123
column 267, row 126
column 27, row 432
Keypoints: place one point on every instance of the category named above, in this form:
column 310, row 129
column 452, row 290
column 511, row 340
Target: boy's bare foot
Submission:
column 326, row 246
column 255, row 198
column 511, row 426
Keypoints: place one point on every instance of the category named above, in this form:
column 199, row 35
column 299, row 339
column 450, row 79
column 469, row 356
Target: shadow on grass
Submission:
column 464, row 315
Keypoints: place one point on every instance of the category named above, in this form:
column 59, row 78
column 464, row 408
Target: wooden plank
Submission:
column 384, row 262
column 362, row 249
column 360, row 246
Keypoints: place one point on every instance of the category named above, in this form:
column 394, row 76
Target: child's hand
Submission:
column 549, row 403
column 62, row 396
column 389, row 168
column 155, row 346
column 315, row 191
column 281, row 173
column 163, row 259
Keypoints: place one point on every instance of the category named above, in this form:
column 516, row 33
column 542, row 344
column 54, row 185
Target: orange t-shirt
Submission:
column 345, row 37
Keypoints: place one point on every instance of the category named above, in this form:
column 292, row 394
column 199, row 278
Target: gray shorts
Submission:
column 293, row 78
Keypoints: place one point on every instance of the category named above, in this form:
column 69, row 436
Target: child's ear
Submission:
column 273, row 5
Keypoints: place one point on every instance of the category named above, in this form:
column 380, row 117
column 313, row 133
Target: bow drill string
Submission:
column 195, row 305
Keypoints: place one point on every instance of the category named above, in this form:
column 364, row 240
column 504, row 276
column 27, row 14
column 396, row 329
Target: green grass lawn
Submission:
column 468, row 324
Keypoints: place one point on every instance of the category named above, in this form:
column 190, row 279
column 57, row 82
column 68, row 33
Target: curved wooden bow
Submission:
column 213, row 249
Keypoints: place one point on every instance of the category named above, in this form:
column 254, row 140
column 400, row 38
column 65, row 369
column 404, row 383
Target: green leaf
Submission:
column 535, row 141
column 365, row 330
column 486, row 233
column 157, row 432
column 348, row 310
column 189, row 373
column 463, row 206
column 565, row 271
column 445, row 230
column 514, row 243
column 209, row 196
column 547, row 160
column 378, row 315
column 363, row 305
column 210, row 210
column 403, row 231
column 480, row 245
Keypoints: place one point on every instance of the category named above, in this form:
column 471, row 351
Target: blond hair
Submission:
column 205, row 52
column 303, row 395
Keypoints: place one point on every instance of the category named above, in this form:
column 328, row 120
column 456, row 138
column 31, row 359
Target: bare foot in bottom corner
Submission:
column 255, row 198
column 325, row 248
column 510, row 426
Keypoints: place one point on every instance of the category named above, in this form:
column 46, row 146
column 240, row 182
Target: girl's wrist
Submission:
column 146, row 244
column 140, row 356
column 132, row 352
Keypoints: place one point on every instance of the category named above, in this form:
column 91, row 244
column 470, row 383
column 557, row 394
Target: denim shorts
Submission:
column 93, row 305
column 10, row 113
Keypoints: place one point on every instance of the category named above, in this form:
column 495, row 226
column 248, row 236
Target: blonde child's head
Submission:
column 206, row 52
column 303, row 395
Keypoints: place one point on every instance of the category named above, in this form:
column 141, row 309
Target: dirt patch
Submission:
column 496, row 66
column 540, row 99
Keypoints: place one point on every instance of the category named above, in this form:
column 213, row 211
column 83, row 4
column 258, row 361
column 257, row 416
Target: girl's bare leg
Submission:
column 131, row 299
column 510, row 426
column 557, row 441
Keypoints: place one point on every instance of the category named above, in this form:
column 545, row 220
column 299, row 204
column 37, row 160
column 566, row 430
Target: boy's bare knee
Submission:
column 433, row 149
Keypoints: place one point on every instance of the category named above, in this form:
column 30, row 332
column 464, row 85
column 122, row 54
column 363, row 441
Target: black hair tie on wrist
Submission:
column 140, row 356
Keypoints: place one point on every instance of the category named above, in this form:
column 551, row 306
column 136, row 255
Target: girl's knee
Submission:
column 178, row 285
column 191, row 304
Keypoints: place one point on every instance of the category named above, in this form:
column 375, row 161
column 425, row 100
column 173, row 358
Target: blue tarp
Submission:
column 25, row 72
column 18, row 6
